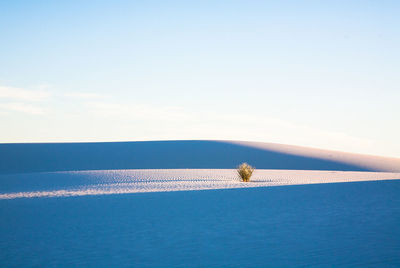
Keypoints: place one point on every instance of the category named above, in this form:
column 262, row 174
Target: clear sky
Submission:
column 324, row 74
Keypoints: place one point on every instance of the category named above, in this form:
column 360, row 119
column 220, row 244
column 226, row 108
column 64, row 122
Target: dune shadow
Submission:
column 41, row 157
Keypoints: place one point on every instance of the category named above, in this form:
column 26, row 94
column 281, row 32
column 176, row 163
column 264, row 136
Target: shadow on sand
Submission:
column 42, row 157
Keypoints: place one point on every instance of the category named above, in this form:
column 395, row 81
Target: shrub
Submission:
column 245, row 171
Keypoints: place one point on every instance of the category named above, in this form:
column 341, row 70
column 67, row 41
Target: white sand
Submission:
column 371, row 162
column 80, row 183
column 200, row 154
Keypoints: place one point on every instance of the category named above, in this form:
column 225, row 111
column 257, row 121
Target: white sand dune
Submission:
column 200, row 154
column 74, row 205
column 370, row 162
column 81, row 183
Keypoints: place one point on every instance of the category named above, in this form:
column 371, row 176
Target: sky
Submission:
column 323, row 74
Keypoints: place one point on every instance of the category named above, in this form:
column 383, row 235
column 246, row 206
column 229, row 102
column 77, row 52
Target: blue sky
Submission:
column 313, row 73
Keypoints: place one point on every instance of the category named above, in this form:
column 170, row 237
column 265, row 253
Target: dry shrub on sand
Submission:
column 245, row 171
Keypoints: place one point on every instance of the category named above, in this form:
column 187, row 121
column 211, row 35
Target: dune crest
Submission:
column 194, row 154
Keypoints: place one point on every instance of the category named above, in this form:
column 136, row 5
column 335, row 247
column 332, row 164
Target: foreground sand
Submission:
column 352, row 224
column 74, row 205
column 81, row 183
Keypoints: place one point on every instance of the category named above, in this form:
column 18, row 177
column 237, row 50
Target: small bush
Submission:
column 245, row 171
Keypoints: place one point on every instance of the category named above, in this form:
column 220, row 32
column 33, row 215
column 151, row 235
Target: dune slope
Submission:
column 43, row 157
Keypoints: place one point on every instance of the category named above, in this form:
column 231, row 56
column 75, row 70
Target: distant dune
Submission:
column 193, row 154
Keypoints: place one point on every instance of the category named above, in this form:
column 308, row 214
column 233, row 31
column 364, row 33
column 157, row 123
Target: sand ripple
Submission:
column 79, row 183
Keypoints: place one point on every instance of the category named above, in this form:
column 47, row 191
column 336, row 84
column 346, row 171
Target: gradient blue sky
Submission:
column 314, row 73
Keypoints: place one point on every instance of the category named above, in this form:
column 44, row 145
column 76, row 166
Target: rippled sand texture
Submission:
column 81, row 183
